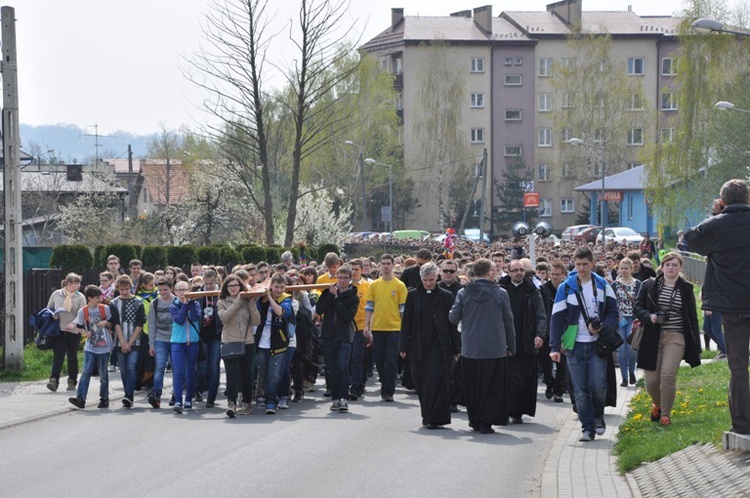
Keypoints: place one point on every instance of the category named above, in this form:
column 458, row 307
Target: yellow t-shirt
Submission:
column 325, row 278
column 362, row 287
column 388, row 297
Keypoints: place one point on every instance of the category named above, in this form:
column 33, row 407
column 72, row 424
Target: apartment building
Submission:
column 508, row 108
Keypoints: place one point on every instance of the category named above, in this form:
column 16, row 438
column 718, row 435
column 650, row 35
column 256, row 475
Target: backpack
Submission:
column 87, row 316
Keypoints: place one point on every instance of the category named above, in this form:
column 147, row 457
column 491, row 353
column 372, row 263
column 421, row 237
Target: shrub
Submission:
column 100, row 259
column 230, row 257
column 209, row 255
column 273, row 254
column 155, row 257
column 125, row 252
column 182, row 256
column 71, row 256
column 324, row 249
column 253, row 254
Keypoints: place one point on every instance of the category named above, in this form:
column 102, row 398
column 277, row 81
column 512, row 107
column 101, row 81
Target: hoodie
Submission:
column 487, row 332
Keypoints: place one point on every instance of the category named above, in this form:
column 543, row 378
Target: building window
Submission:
column 635, row 136
column 566, row 171
column 545, row 208
column 636, row 102
column 477, row 135
column 513, row 151
column 397, row 65
column 513, row 80
column 384, row 64
column 545, row 67
column 596, row 170
column 635, row 66
column 567, row 206
column 477, row 64
column 544, row 137
column 666, row 135
column 509, row 61
column 544, row 173
column 399, row 104
column 513, row 114
column 545, row 102
column 668, row 67
column 477, row 100
column 568, row 61
column 630, row 207
column 566, row 134
column 668, row 101
column 519, row 61
column 566, row 101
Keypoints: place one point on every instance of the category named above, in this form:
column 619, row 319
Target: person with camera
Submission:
column 666, row 306
column 726, row 288
column 585, row 308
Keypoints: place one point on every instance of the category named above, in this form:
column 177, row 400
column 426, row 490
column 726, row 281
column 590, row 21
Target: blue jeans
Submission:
column 385, row 349
column 713, row 329
column 101, row 361
column 210, row 369
column 161, row 355
column 626, row 355
column 337, row 355
column 269, row 371
column 184, row 360
column 588, row 372
column 285, row 383
column 128, row 363
column 357, row 363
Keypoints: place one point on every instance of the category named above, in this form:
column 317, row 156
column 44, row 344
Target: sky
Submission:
column 117, row 64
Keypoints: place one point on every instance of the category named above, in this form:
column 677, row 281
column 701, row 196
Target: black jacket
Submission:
column 412, row 328
column 647, row 304
column 726, row 287
column 410, row 277
column 534, row 316
column 338, row 314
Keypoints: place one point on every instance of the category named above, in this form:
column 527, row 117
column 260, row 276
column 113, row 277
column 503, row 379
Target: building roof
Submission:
column 154, row 172
column 631, row 179
column 56, row 181
column 615, row 23
column 121, row 165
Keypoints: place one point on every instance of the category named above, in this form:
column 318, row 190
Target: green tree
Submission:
column 509, row 190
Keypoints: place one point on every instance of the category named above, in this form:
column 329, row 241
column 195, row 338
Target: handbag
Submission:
column 232, row 350
column 608, row 342
column 634, row 339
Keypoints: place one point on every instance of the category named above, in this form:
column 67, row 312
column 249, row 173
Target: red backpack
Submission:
column 87, row 313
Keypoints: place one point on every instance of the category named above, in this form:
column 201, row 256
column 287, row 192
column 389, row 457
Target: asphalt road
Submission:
column 377, row 449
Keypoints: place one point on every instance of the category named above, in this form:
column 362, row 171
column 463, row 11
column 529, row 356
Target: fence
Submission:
column 694, row 268
column 38, row 285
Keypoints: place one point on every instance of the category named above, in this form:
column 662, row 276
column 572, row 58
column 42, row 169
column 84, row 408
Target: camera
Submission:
column 662, row 316
column 594, row 323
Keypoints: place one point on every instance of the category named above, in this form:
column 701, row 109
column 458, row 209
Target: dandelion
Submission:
column 638, row 416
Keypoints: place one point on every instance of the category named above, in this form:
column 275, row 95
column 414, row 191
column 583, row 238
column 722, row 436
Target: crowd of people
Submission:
column 476, row 328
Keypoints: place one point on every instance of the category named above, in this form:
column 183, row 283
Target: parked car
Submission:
column 411, row 234
column 621, row 234
column 572, row 230
column 587, row 235
column 472, row 234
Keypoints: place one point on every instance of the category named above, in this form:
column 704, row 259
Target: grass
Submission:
column 36, row 365
column 700, row 415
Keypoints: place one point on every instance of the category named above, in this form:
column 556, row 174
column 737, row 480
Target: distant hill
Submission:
column 73, row 144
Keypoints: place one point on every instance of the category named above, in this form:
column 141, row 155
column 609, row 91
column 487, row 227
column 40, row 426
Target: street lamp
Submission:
column 713, row 26
column 599, row 146
column 362, row 174
column 723, row 105
column 370, row 160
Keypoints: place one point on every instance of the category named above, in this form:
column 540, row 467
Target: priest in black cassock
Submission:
column 430, row 341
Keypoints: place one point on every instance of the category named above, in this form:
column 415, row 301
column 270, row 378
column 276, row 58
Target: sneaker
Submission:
column 260, row 401
column 154, row 400
column 270, row 409
column 103, row 403
column 587, row 436
column 298, row 397
column 172, row 401
column 53, row 384
column 210, row 403
column 177, row 408
column 245, row 409
column 231, row 410
column 78, row 402
column 127, row 402
column 336, row 405
column 198, row 397
column 721, row 356
column 112, row 368
column 72, row 385
column 188, row 405
column 388, row 398
column 352, row 397
column 632, row 379
column 624, row 383
column 601, row 426
column 655, row 413
column 343, row 405
column 283, row 403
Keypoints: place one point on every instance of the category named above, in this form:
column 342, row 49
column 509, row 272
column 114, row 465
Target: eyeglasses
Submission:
column 449, row 271
column 342, row 277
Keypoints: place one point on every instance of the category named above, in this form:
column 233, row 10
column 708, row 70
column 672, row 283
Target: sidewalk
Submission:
column 580, row 469
column 23, row 402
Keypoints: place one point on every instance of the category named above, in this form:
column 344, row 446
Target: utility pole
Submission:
column 12, row 182
column 481, row 202
column 130, row 181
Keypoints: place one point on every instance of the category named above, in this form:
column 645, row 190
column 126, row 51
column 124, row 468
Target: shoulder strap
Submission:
column 86, row 314
column 102, row 312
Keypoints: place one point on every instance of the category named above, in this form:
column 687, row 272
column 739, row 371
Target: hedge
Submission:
column 125, row 252
column 230, row 257
column 209, row 255
column 182, row 256
column 71, row 256
column 155, row 256
column 253, row 254
column 100, row 259
column 324, row 249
